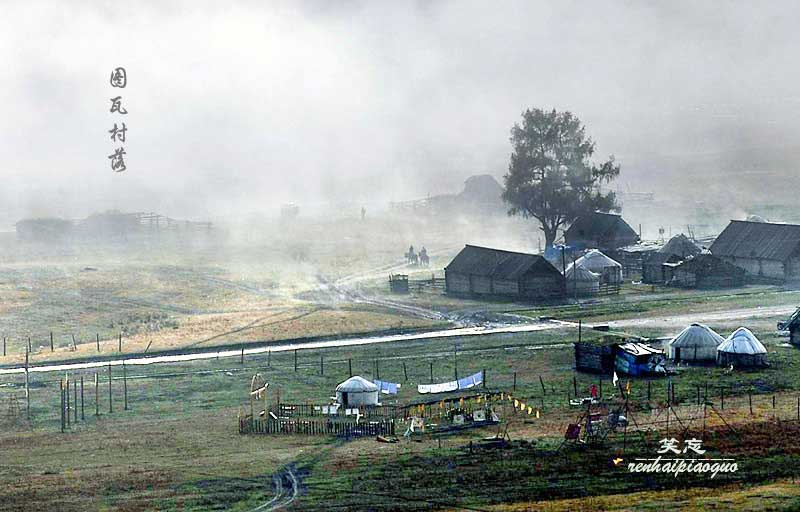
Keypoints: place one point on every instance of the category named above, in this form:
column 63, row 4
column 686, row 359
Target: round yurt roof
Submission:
column 596, row 259
column 742, row 341
column 697, row 335
column 580, row 274
column 356, row 384
column 680, row 245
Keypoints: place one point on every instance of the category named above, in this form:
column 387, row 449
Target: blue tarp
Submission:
column 387, row 388
column 471, row 381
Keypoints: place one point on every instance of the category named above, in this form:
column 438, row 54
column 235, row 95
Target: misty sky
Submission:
column 237, row 109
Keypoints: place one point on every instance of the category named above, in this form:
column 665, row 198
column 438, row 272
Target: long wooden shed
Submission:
column 495, row 272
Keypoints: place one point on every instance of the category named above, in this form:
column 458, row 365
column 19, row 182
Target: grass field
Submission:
column 177, row 446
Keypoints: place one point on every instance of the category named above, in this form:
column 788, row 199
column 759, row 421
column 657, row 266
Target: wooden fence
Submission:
column 433, row 284
column 312, row 427
column 609, row 289
column 285, row 410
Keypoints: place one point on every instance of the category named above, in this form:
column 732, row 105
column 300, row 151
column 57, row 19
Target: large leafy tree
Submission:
column 550, row 176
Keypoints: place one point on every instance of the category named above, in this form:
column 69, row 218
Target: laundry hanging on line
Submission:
column 454, row 385
column 387, row 388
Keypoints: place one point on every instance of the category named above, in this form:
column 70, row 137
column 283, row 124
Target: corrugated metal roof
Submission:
column 763, row 240
column 497, row 263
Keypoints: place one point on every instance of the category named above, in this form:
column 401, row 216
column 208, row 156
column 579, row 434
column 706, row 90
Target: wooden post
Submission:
column 96, row 395
column 514, row 386
column 295, row 359
column 431, row 372
column 321, row 365
column 61, row 392
column 750, row 401
column 120, row 341
column 575, row 385
column 4, row 346
column 350, row 367
column 75, row 400
column 52, row 346
column 405, row 372
column 83, row 416
column 269, row 358
column 30, row 347
column 110, row 398
column 722, row 397
column 484, row 378
column 74, row 343
column 698, row 393
column 241, row 360
column 377, row 369
column 455, row 359
column 544, row 391
column 27, row 389
column 66, row 393
column 125, row 386
column 97, row 339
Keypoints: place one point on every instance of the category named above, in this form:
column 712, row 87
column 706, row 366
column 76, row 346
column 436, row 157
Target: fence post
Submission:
column 4, row 346
column 97, row 340
column 514, row 386
column 110, row 399
column 722, row 396
column 575, row 385
column 52, row 347
column 27, row 387
column 125, row 385
column 83, row 416
column 405, row 372
column 484, row 378
column 269, row 358
column 544, row 391
column 75, row 400
column 61, row 392
column 241, row 360
column 750, row 401
column 321, row 365
column 295, row 359
column 431, row 372
column 120, row 341
column 96, row 395
column 66, row 394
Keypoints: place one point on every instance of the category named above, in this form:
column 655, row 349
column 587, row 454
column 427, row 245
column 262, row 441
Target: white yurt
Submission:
column 697, row 342
column 581, row 281
column 610, row 271
column 357, row 391
column 742, row 348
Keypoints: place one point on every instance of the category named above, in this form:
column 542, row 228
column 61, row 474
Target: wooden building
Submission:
column 653, row 270
column 765, row 250
column 704, row 271
column 494, row 272
column 605, row 231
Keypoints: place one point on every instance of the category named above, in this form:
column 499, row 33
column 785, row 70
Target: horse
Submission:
column 424, row 259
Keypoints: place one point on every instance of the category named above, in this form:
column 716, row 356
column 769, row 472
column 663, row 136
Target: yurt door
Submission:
column 344, row 399
column 677, row 354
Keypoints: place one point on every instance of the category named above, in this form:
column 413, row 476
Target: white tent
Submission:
column 741, row 348
column 581, row 281
column 610, row 271
column 357, row 391
column 697, row 342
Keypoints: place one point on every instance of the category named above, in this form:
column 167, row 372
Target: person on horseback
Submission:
column 423, row 257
